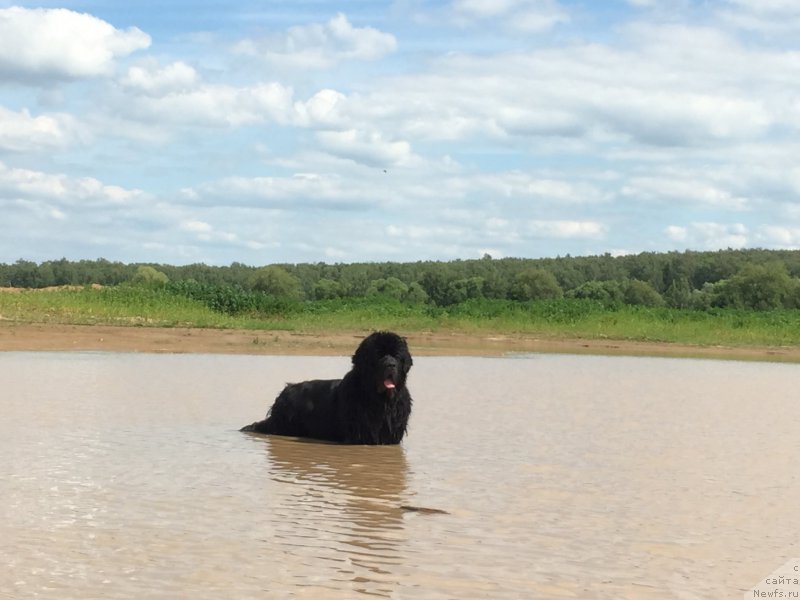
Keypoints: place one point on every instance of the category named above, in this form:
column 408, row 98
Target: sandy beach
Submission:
column 55, row 337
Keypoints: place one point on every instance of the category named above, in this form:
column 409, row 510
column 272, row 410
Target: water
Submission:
column 123, row 476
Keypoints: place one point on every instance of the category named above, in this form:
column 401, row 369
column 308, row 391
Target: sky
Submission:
column 266, row 132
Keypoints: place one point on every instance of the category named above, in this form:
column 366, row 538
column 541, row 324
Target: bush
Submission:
column 327, row 289
column 146, row 275
column 391, row 287
column 462, row 290
column 275, row 281
column 642, row 293
column 757, row 287
column 609, row 293
column 679, row 294
column 536, row 284
column 415, row 294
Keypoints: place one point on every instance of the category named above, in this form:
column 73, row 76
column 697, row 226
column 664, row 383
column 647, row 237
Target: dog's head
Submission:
column 384, row 358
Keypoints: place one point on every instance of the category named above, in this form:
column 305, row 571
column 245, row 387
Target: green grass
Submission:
column 143, row 306
column 109, row 306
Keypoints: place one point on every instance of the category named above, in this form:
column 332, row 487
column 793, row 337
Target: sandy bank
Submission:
column 48, row 337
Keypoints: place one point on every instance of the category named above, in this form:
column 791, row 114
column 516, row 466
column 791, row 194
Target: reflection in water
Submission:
column 125, row 476
column 341, row 498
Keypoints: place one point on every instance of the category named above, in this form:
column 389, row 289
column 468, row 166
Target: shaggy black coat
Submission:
column 369, row 405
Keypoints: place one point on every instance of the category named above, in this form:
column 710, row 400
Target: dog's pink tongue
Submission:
column 388, row 384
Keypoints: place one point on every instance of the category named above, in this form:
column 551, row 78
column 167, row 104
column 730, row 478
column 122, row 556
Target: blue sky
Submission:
column 264, row 132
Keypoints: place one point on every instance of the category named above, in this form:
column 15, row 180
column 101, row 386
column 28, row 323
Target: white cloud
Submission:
column 207, row 104
column 648, row 95
column 367, row 147
column 152, row 79
column 677, row 233
column 484, row 8
column 422, row 232
column 681, row 187
column 196, row 226
column 22, row 132
column 300, row 191
column 38, row 45
column 61, row 190
column 768, row 16
column 779, row 236
column 643, row 134
column 530, row 16
column 319, row 46
column 517, row 184
column 710, row 235
column 321, row 109
column 567, row 229
column 57, row 214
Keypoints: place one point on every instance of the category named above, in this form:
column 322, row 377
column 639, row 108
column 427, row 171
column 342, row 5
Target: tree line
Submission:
column 753, row 279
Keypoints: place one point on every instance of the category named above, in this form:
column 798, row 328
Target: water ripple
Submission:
column 125, row 476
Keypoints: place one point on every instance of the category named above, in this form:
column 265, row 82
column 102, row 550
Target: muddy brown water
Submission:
column 544, row 476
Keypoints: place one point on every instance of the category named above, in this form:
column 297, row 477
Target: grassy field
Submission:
column 143, row 306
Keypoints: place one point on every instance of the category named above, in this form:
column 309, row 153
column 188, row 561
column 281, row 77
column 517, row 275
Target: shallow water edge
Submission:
column 56, row 337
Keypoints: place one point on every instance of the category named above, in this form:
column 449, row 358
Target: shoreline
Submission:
column 39, row 337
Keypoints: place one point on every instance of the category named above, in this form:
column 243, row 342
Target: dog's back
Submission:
column 306, row 409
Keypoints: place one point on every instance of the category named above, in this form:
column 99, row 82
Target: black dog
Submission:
column 370, row 405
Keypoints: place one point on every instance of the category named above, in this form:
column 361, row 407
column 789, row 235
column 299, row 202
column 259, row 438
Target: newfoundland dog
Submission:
column 370, row 405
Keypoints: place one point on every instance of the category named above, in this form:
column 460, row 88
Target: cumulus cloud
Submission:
column 176, row 95
column 152, row 79
column 22, row 132
column 57, row 212
column 301, row 190
column 656, row 134
column 767, row 16
column 322, row 109
column 706, row 96
column 517, row 184
column 18, row 184
column 682, row 188
column 566, row 229
column 92, row 218
column 38, row 45
column 195, row 226
column 367, row 147
column 676, row 233
column 529, row 16
column 320, row 45
column 779, row 236
column 710, row 235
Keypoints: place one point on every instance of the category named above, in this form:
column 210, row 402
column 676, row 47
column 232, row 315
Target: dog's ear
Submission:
column 365, row 352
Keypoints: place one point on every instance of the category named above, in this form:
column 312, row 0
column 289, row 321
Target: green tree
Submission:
column 415, row 294
column 277, row 282
column 793, row 299
column 435, row 283
column 461, row 290
column 758, row 287
column 355, row 280
column 63, row 272
column 679, row 294
column 391, row 287
column 327, row 289
column 25, row 274
column 147, row 275
column 535, row 284
column 607, row 292
column 642, row 293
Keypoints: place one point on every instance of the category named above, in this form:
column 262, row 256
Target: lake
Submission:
column 541, row 476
